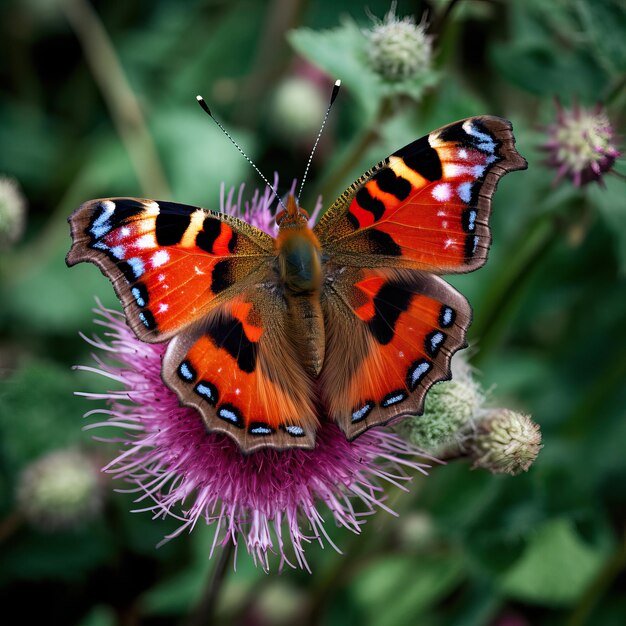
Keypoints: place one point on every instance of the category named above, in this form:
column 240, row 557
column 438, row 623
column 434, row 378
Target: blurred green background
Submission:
column 97, row 100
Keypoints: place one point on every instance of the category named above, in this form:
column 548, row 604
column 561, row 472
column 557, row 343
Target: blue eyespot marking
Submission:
column 187, row 372
column 147, row 319
column 229, row 415
column 433, row 342
column 118, row 252
column 138, row 297
column 259, row 428
column 465, row 192
column 295, row 431
column 471, row 220
column 416, row 372
column 101, row 226
column 446, row 317
column 394, row 397
column 208, row 391
column 363, row 412
column 137, row 266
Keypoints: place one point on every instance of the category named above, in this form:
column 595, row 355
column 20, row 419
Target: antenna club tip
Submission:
column 335, row 91
column 204, row 105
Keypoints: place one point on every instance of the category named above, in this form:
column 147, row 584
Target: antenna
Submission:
column 330, row 104
column 205, row 108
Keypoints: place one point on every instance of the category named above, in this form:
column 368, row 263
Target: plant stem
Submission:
column 504, row 295
column 9, row 525
column 118, row 95
column 204, row 613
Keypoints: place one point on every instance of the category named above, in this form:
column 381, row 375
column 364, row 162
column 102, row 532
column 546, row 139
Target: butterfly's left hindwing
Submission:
column 390, row 336
column 169, row 263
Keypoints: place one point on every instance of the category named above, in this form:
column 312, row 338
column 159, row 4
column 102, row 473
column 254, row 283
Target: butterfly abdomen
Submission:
column 300, row 269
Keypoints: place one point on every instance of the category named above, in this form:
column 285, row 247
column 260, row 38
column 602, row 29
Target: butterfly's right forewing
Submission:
column 169, row 263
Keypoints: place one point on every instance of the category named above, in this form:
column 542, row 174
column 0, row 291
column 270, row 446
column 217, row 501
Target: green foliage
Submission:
column 555, row 568
column 549, row 324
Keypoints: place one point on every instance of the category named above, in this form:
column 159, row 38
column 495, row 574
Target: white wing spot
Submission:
column 163, row 307
column 146, row 241
column 160, row 257
column 442, row 192
column 448, row 243
column 197, row 270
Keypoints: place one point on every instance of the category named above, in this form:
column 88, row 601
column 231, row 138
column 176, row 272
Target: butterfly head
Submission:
column 293, row 216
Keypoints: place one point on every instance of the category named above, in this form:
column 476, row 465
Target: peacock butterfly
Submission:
column 348, row 321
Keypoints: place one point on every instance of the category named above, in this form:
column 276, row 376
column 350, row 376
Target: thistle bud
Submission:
column 399, row 49
column 504, row 442
column 12, row 212
column 59, row 491
column 581, row 145
column 297, row 109
column 449, row 406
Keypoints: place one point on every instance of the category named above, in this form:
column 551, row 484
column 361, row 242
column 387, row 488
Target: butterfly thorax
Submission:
column 300, row 272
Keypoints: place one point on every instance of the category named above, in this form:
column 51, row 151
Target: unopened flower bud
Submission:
column 12, row 212
column 297, row 109
column 60, row 490
column 399, row 49
column 449, row 406
column 504, row 442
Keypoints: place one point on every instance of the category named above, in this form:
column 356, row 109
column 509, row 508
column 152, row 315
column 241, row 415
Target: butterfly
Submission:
column 348, row 321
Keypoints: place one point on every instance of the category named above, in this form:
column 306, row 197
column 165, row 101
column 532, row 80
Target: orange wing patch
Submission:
column 242, row 377
column 404, row 326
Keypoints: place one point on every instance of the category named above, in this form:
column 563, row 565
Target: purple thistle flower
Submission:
column 260, row 211
column 267, row 499
column 581, row 145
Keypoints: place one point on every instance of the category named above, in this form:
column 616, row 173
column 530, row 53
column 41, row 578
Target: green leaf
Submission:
column 39, row 412
column 394, row 589
column 556, row 567
column 198, row 157
column 605, row 24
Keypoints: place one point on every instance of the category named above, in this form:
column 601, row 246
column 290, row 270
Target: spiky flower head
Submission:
column 60, row 490
column 449, row 406
column 582, row 144
column 399, row 49
column 268, row 500
column 260, row 211
column 504, row 442
column 12, row 212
